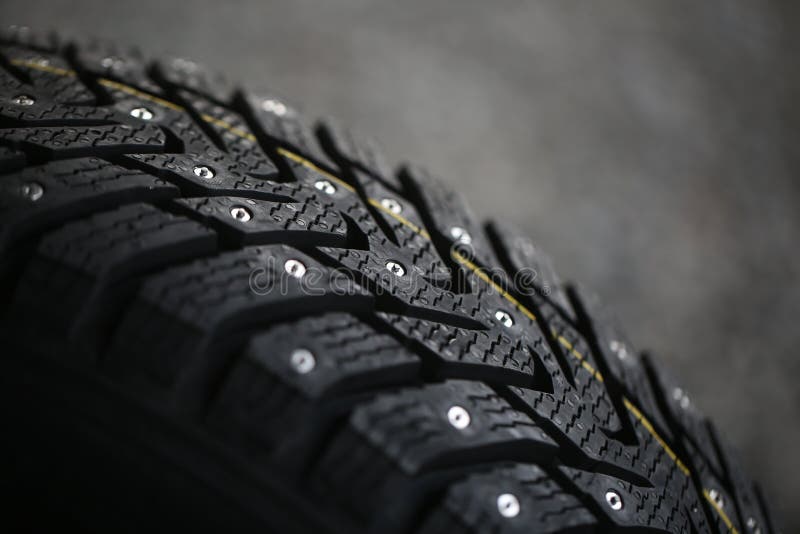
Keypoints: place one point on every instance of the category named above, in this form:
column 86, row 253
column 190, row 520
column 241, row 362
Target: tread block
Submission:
column 50, row 73
column 402, row 216
column 471, row 505
column 621, row 357
column 69, row 189
column 86, row 268
column 530, row 267
column 743, row 490
column 128, row 84
column 414, row 286
column 407, row 438
column 572, row 424
column 81, row 141
column 186, row 135
column 360, row 152
column 282, row 124
column 673, row 507
column 270, row 406
column 239, row 142
column 570, row 412
column 471, row 353
column 733, row 493
column 462, row 329
column 29, row 38
column 196, row 77
column 191, row 316
column 44, row 112
column 680, row 409
column 417, row 430
column 715, row 490
column 228, row 178
column 125, row 65
column 451, row 217
column 302, row 224
column 350, row 354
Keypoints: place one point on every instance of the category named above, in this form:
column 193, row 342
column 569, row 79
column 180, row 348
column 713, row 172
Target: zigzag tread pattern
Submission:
column 346, row 330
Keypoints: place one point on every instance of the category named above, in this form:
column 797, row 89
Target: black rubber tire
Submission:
column 217, row 316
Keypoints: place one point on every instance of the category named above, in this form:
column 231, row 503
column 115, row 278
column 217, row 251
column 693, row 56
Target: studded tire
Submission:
column 218, row 315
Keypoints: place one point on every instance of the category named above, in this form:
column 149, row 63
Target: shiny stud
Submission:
column 294, row 268
column 681, row 397
column 201, row 171
column 142, row 113
column 508, row 505
column 274, row 106
column 458, row 417
column 460, row 235
column 395, row 268
column 391, row 205
column 23, row 100
column 504, row 318
column 325, row 186
column 614, row 500
column 33, row 191
column 716, row 498
column 240, row 213
column 619, row 348
column 303, row 361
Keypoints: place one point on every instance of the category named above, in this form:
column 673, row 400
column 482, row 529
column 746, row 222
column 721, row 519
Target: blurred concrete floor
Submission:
column 649, row 146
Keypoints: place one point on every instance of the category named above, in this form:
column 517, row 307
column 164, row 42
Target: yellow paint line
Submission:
column 645, row 423
column 306, row 163
column 139, row 94
column 483, row 276
column 227, row 126
column 416, row 229
column 586, row 365
column 721, row 512
column 40, row 66
column 374, row 201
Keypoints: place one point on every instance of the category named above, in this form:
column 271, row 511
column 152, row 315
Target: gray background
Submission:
column 649, row 146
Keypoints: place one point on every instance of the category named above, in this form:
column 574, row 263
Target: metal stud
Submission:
column 23, row 100
column 142, row 113
column 458, row 417
column 33, row 191
column 201, row 171
column 716, row 498
column 303, row 361
column 325, row 186
column 274, row 106
column 681, row 397
column 752, row 524
column 614, row 500
column 294, row 268
column 460, row 235
column 395, row 268
column 504, row 318
column 111, row 62
column 184, row 65
column 240, row 213
column 391, row 205
column 508, row 505
column 619, row 348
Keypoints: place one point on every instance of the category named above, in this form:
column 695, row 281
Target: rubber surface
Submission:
column 221, row 315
